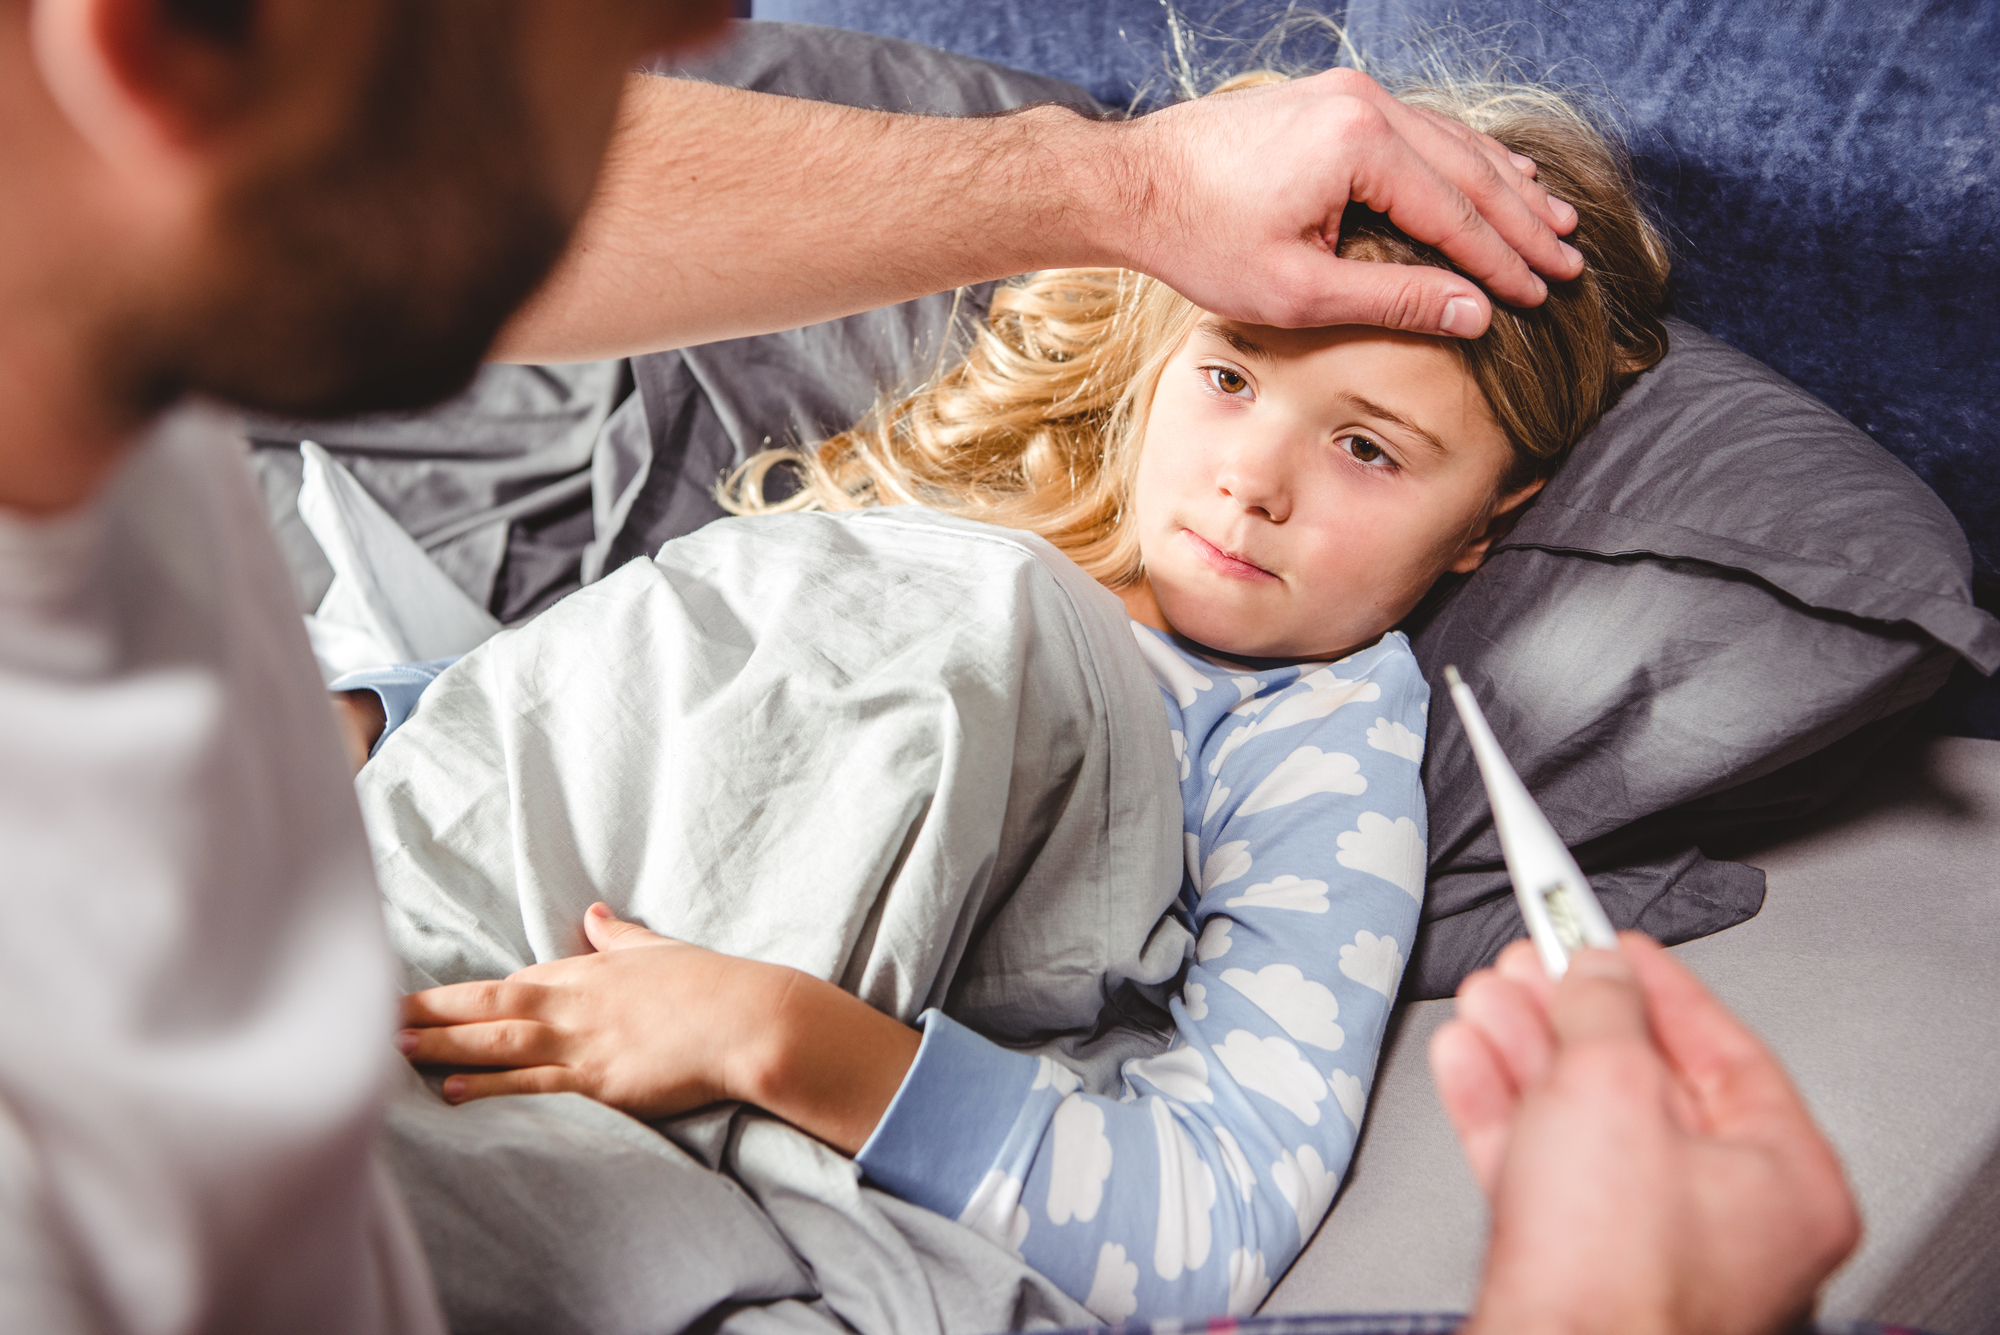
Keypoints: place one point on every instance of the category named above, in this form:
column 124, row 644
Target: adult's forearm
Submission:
column 722, row 213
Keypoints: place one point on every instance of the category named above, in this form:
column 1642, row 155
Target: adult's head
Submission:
column 308, row 207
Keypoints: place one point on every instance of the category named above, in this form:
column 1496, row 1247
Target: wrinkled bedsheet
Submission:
column 914, row 755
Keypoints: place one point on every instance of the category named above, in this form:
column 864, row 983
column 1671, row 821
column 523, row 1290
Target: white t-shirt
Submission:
column 196, row 999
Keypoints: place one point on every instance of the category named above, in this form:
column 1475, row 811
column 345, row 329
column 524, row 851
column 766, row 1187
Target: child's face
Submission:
column 1300, row 489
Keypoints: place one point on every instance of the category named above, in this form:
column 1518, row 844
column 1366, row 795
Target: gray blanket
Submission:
column 916, row 756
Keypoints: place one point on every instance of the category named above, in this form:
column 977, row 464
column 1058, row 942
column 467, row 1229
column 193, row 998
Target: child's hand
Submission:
column 656, row 1027
column 646, row 1024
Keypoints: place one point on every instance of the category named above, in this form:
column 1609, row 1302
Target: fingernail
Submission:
column 600, row 910
column 1564, row 213
column 1606, row 964
column 454, row 1089
column 1521, row 163
column 406, row 1042
column 1571, row 253
column 1461, row 315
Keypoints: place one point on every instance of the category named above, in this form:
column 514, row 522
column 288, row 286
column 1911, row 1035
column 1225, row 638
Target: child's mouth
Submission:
column 1222, row 562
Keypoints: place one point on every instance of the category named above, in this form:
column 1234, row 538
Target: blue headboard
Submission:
column 1829, row 173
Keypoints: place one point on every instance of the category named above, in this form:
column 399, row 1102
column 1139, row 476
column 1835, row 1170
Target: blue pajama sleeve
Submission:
column 398, row 687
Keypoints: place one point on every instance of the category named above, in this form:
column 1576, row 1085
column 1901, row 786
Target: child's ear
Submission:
column 1499, row 521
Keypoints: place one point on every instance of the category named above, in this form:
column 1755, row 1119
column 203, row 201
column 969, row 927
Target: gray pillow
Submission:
column 1723, row 604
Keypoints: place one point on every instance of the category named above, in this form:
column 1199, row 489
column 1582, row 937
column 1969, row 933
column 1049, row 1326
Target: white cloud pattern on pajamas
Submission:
column 1169, row 668
column 1386, row 735
column 1307, row 1184
column 1195, row 997
column 995, row 1211
column 1181, row 1073
column 1080, row 1160
column 1180, row 752
column 1236, row 1163
column 1283, row 892
column 1051, row 1074
column 1324, row 694
column 1114, row 1288
column 1272, row 1067
column 1247, row 1281
column 1349, row 1094
column 1373, row 961
column 1390, row 849
column 1303, row 773
column 1224, row 865
column 1187, row 1195
column 1216, row 797
column 1303, row 1008
column 1214, row 941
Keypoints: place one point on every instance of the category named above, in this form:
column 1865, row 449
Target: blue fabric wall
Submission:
column 1120, row 50
column 1829, row 171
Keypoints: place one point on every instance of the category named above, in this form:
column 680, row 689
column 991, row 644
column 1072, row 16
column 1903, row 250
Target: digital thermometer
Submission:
column 1561, row 910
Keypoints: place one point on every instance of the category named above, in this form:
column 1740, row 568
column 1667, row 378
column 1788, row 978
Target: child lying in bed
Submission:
column 1268, row 504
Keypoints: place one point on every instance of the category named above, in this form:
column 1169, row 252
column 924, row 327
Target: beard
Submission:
column 374, row 275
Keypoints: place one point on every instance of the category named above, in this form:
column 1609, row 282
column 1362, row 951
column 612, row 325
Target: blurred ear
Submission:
column 140, row 86
column 1499, row 522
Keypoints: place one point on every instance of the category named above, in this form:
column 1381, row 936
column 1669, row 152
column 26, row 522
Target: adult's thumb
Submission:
column 1598, row 998
column 607, row 931
column 1417, row 298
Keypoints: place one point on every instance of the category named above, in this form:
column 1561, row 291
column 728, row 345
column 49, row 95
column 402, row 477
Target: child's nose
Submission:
column 1257, row 476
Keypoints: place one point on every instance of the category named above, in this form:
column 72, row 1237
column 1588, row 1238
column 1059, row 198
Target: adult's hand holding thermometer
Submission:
column 1562, row 912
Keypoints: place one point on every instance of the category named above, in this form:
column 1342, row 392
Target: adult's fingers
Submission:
column 1513, row 1023
column 1392, row 177
column 465, row 1003
column 1478, row 1097
column 464, row 1088
column 1512, row 169
column 1521, row 964
column 1442, row 191
column 1527, row 217
column 511, row 1043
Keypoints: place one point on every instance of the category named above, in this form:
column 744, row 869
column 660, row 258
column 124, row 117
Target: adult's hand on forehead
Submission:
column 1240, row 196
column 1649, row 1165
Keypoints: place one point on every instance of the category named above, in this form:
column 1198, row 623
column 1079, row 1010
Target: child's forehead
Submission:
column 1269, row 343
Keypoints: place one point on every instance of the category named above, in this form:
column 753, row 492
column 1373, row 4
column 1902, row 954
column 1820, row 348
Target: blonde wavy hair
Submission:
column 1040, row 426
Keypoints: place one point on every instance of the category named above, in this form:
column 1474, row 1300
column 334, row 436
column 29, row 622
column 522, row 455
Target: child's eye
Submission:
column 1366, row 451
column 1230, row 382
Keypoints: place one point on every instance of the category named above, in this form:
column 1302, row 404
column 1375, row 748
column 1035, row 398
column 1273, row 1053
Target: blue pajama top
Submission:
column 1305, row 841
column 1305, row 833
